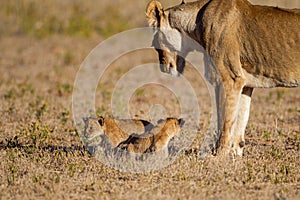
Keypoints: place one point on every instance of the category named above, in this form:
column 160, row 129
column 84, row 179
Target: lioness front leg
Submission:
column 233, row 93
column 241, row 122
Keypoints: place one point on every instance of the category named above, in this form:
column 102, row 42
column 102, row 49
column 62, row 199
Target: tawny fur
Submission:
column 119, row 130
column 251, row 46
column 155, row 140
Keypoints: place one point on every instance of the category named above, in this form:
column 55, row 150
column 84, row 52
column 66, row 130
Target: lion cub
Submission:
column 155, row 140
column 119, row 130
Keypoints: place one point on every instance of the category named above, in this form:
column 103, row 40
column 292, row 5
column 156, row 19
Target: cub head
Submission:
column 167, row 40
column 171, row 125
column 178, row 123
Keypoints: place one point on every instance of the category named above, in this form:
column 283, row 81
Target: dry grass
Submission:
column 42, row 156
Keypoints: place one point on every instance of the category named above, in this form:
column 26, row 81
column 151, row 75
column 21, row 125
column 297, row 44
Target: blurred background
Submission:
column 83, row 18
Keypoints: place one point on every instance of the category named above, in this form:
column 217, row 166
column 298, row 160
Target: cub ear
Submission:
column 101, row 120
column 154, row 13
column 181, row 122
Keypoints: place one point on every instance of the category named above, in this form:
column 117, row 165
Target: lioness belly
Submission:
column 260, row 81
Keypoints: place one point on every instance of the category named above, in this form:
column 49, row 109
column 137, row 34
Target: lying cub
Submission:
column 155, row 140
column 119, row 130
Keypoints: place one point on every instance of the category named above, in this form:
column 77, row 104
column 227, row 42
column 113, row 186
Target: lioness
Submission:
column 251, row 46
column 155, row 140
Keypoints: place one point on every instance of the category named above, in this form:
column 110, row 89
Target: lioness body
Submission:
column 251, row 46
column 264, row 43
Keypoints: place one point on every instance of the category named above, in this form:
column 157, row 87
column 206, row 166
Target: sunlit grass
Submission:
column 67, row 18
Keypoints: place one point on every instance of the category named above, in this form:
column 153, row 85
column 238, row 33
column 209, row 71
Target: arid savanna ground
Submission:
column 42, row 157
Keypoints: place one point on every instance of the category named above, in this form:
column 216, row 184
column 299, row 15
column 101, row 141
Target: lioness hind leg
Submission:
column 241, row 122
